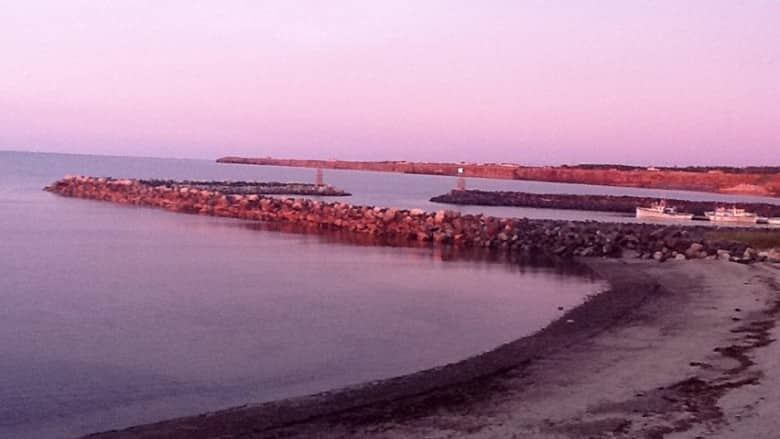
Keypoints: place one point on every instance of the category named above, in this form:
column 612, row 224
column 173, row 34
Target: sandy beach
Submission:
column 678, row 349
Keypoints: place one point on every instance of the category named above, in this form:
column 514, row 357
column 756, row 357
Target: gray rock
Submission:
column 694, row 251
column 750, row 253
column 773, row 255
column 633, row 254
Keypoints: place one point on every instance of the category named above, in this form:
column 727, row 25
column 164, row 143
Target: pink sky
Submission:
column 537, row 82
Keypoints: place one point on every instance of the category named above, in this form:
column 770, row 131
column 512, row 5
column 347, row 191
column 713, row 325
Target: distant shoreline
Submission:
column 757, row 181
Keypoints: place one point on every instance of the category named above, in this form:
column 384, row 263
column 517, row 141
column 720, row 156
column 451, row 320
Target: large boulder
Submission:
column 695, row 251
column 772, row 255
column 389, row 215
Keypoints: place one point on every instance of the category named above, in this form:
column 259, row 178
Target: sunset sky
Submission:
column 538, row 82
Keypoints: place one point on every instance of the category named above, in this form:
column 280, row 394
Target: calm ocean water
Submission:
column 113, row 315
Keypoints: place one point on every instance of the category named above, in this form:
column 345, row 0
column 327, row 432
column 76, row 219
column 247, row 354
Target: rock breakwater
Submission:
column 254, row 187
column 552, row 238
column 606, row 203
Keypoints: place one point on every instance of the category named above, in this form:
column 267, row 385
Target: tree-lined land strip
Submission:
column 764, row 181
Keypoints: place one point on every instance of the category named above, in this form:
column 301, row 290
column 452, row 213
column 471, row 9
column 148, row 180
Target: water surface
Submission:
column 114, row 315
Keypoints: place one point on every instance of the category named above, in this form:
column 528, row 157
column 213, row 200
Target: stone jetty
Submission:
column 254, row 187
column 552, row 238
column 605, row 203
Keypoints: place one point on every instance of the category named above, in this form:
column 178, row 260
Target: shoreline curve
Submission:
column 627, row 291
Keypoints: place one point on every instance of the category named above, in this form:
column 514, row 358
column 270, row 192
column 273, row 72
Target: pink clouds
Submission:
column 537, row 82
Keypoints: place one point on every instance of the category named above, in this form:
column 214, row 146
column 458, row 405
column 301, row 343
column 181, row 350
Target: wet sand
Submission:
column 677, row 349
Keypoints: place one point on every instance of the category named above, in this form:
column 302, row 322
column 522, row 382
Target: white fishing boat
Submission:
column 733, row 215
column 774, row 221
column 660, row 210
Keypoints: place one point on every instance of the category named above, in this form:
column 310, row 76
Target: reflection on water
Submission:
column 515, row 261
